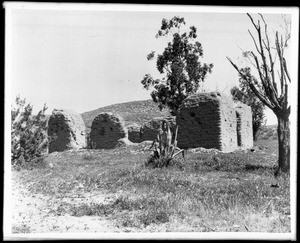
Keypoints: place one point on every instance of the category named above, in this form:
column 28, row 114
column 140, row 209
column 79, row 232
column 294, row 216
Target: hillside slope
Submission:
column 133, row 112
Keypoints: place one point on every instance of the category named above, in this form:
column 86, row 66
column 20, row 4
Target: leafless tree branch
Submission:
column 279, row 51
column 285, row 69
column 269, row 89
column 252, row 86
column 254, row 42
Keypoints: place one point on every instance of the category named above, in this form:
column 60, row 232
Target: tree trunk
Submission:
column 283, row 131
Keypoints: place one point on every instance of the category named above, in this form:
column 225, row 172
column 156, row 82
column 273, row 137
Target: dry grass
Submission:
column 207, row 192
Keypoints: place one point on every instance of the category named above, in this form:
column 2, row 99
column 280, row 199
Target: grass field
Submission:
column 113, row 191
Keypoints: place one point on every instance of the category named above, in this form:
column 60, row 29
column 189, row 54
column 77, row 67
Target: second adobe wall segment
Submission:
column 209, row 120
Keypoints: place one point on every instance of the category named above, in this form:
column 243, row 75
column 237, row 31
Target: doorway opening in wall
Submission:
column 238, row 128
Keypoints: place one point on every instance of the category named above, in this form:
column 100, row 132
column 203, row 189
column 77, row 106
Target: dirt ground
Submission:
column 31, row 213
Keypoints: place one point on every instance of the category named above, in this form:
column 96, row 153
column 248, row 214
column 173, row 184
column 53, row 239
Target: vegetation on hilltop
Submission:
column 138, row 112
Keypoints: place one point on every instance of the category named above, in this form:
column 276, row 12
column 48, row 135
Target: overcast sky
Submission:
column 82, row 60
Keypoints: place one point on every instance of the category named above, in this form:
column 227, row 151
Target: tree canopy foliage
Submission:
column 179, row 64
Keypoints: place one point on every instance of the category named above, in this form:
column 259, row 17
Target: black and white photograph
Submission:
column 150, row 121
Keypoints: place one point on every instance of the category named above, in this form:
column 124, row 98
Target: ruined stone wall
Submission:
column 108, row 131
column 244, row 125
column 134, row 133
column 66, row 130
column 149, row 130
column 228, row 125
column 207, row 120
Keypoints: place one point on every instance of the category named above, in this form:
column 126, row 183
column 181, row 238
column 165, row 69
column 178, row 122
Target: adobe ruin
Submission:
column 66, row 130
column 209, row 120
column 149, row 130
column 108, row 131
column 134, row 133
column 244, row 125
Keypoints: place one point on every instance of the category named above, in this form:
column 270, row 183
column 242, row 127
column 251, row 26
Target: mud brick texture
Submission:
column 207, row 120
column 244, row 125
column 149, row 130
column 108, row 131
column 66, row 130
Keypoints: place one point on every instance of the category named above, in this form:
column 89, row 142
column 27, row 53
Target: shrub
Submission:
column 28, row 133
column 164, row 150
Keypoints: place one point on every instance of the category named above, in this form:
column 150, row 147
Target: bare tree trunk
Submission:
column 267, row 92
column 283, row 131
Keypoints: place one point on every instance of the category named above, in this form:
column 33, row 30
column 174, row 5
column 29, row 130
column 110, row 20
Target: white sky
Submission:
column 82, row 60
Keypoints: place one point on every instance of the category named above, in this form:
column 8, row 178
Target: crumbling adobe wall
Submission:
column 66, row 130
column 244, row 125
column 228, row 136
column 134, row 133
column 108, row 131
column 207, row 120
column 148, row 131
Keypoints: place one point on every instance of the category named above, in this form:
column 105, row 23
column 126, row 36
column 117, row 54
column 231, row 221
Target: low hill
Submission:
column 137, row 112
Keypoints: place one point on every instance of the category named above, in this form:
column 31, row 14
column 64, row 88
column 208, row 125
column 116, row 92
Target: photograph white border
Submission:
column 9, row 6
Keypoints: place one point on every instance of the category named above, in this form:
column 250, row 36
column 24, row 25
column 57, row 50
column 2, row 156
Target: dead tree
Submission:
column 271, row 88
